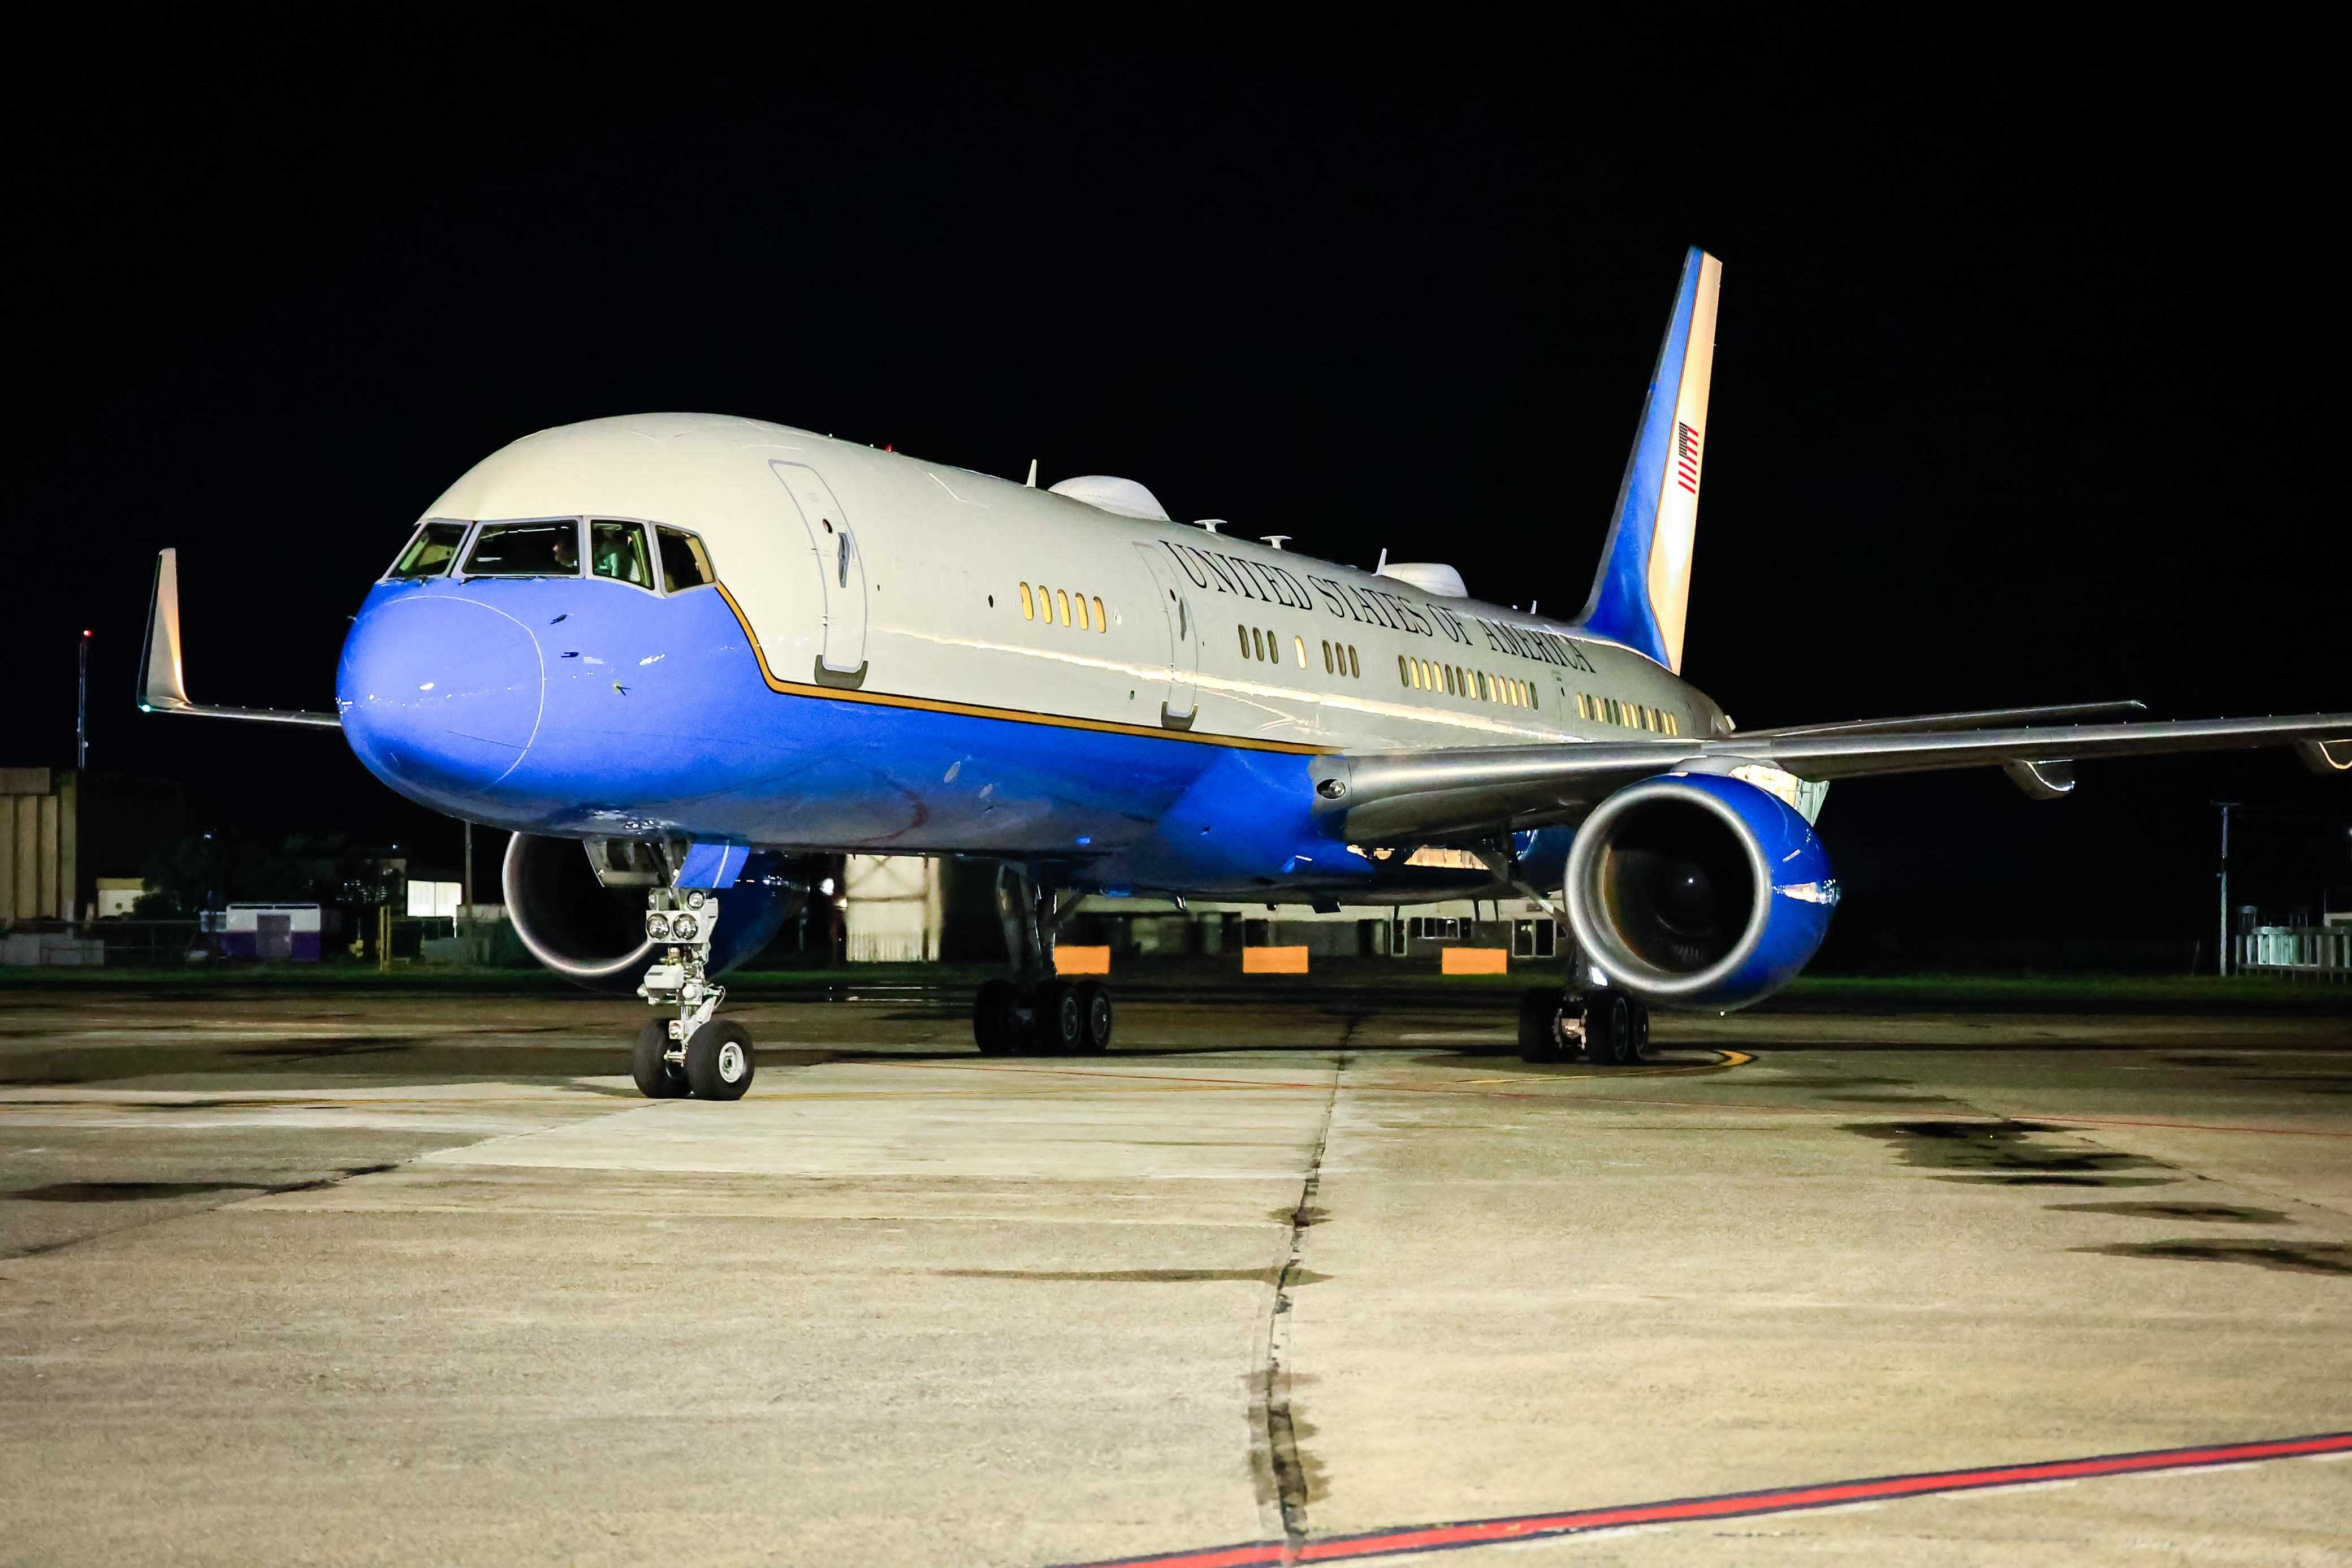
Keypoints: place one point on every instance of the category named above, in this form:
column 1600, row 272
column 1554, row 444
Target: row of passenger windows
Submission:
column 1429, row 675
column 1267, row 645
column 624, row 552
column 1633, row 716
column 1340, row 659
column 1050, row 604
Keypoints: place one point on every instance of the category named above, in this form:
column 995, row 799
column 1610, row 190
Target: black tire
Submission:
column 1539, row 1025
column 719, row 1062
column 1059, row 1024
column 1608, row 1028
column 1637, row 1044
column 994, row 1026
column 659, row 1078
column 1095, row 1017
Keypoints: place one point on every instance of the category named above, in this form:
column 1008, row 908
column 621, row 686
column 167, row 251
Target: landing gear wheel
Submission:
column 659, row 1078
column 995, row 1028
column 1060, row 1024
column 1637, row 1048
column 1608, row 1029
column 719, row 1063
column 1094, row 1016
column 1540, row 1033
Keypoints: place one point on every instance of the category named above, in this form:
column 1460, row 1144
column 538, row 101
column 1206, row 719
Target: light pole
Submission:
column 2223, row 956
column 81, row 706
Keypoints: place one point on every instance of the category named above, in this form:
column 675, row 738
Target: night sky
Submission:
column 2024, row 390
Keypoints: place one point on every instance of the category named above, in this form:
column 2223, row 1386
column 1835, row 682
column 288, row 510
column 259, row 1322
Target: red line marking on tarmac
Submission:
column 1412, row 1539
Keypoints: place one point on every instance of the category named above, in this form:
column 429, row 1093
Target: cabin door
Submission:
column 839, row 567
column 1177, row 707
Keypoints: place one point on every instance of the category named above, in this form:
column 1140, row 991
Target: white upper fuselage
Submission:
column 929, row 604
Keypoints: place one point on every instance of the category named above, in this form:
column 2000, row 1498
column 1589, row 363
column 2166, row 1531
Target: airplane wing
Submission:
column 1435, row 793
column 162, row 681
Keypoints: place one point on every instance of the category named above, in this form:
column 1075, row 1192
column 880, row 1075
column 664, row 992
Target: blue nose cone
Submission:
column 441, row 695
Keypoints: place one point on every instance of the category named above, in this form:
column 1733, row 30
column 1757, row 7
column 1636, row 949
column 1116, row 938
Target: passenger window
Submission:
column 1354, row 668
column 618, row 550
column 1326, row 656
column 1083, row 626
column 1245, row 636
column 1028, row 609
column 1403, row 678
column 429, row 553
column 1062, row 598
column 684, row 562
column 1298, row 646
column 526, row 549
column 1102, row 622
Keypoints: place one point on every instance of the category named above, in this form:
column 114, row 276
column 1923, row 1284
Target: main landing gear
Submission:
column 693, row 1053
column 1033, row 1012
column 1605, row 1026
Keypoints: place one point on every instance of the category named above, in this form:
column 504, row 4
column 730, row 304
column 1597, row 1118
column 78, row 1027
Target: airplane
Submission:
column 673, row 652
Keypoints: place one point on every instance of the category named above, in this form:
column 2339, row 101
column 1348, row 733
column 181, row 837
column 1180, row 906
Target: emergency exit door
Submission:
column 839, row 566
column 1177, row 707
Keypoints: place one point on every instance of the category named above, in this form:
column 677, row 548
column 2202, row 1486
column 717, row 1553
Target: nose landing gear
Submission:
column 693, row 1053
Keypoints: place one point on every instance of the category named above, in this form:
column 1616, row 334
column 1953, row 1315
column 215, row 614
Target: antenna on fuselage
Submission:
column 1275, row 540
column 1032, row 480
column 1381, row 565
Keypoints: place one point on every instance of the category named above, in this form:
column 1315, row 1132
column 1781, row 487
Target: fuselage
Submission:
column 900, row 656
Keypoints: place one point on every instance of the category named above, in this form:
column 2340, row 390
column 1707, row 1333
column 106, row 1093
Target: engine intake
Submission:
column 592, row 931
column 1699, row 890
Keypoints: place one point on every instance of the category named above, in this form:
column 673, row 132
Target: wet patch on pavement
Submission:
column 2211, row 1213
column 2008, row 1152
column 2317, row 1258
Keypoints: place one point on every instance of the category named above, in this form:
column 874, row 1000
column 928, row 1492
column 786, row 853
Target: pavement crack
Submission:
column 1286, row 1461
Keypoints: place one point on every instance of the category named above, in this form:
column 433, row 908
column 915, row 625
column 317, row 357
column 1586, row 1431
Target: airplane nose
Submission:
column 440, row 696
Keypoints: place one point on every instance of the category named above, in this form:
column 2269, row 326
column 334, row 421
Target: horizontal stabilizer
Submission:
column 164, row 682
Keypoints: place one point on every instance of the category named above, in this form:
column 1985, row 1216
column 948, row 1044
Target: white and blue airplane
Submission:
column 670, row 651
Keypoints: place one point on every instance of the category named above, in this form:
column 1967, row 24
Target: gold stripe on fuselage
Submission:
column 1012, row 716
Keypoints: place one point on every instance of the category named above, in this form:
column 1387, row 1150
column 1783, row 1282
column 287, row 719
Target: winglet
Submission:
column 163, row 681
column 164, row 685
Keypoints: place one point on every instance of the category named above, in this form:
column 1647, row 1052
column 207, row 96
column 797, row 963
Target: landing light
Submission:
column 657, row 926
column 684, row 928
column 696, row 898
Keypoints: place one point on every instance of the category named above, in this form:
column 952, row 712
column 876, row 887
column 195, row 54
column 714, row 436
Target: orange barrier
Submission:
column 1081, row 960
column 1274, row 960
column 1475, row 961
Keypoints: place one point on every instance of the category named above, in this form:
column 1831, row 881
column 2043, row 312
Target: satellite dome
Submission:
column 1123, row 498
column 1430, row 577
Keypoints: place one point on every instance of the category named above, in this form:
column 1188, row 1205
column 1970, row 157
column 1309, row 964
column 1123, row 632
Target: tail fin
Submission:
column 1642, row 590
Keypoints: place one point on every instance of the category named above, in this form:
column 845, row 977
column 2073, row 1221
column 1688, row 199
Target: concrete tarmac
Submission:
column 408, row 1279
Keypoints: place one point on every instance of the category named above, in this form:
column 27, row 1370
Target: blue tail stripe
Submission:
column 1620, row 607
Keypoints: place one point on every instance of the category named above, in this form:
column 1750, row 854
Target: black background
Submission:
column 2023, row 392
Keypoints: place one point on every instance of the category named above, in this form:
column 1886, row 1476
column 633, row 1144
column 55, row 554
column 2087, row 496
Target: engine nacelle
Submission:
column 1698, row 890
column 595, row 934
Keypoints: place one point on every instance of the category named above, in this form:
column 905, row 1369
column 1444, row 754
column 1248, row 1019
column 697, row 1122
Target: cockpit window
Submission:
column 526, row 549
column 684, row 562
column 429, row 553
column 618, row 551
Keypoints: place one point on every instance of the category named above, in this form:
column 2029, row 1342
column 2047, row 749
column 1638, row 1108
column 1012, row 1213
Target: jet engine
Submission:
column 581, row 908
column 1698, row 890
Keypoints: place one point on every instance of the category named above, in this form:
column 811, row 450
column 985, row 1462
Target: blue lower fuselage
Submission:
column 594, row 709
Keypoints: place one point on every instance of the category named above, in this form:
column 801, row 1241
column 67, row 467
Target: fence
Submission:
column 2323, row 952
